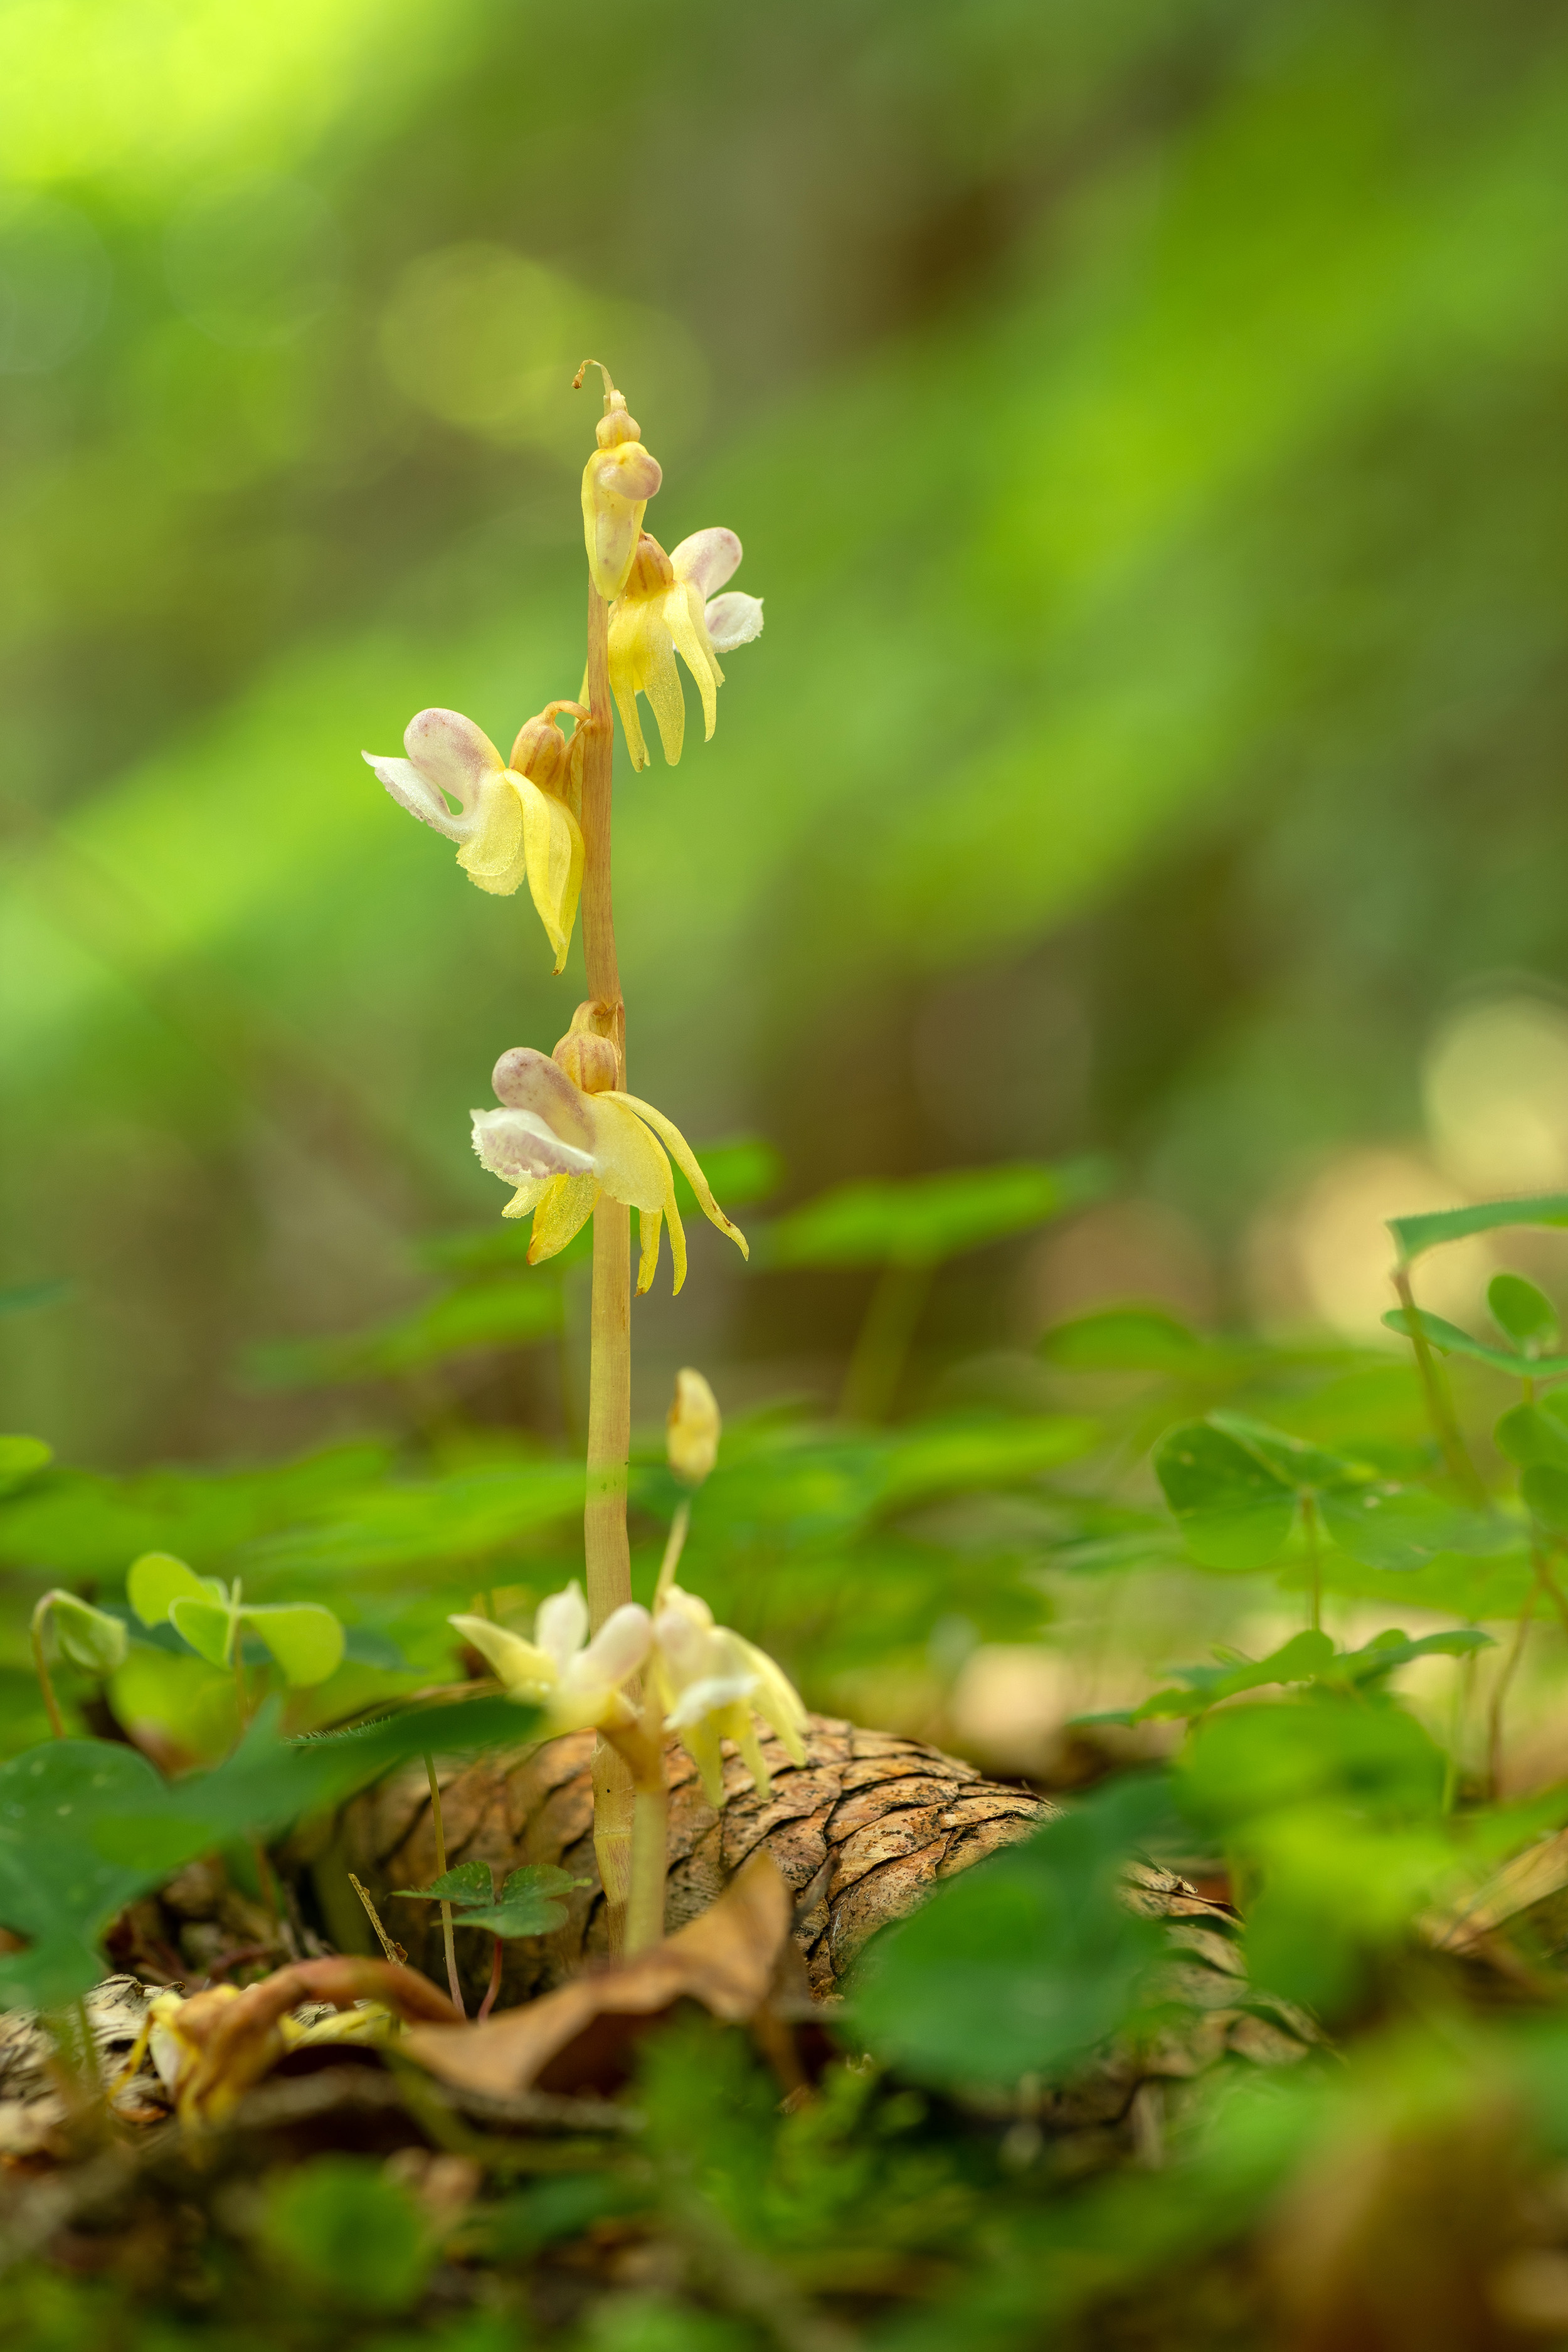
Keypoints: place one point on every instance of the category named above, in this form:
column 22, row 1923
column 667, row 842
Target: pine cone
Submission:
column 868, row 1824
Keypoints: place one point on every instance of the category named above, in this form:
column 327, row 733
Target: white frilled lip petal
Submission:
column 561, row 1624
column 417, row 794
column 734, row 619
column 452, row 754
column 516, row 1145
column 707, row 559
column 707, row 1697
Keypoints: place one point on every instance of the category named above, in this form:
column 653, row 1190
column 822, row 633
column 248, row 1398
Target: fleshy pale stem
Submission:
column 639, row 1750
column 606, row 1554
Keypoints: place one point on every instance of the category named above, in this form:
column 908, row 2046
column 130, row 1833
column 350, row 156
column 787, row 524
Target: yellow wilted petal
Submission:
column 563, row 1208
column 683, row 618
column 553, row 846
column 493, row 855
column 686, row 1160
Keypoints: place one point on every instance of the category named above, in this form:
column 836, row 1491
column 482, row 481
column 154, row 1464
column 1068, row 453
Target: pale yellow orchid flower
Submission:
column 515, row 820
column 618, row 480
column 576, row 1683
column 566, row 1134
column 668, row 606
column 708, row 1683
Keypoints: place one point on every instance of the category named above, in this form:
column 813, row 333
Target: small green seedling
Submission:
column 527, row 1904
column 67, row 1627
column 306, row 1640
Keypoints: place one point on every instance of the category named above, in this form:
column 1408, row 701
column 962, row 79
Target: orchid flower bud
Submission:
column 586, row 1053
column 692, row 1428
column 618, row 480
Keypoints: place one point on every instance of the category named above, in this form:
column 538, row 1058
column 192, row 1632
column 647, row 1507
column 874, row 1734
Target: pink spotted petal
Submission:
column 707, row 559
column 452, row 753
column 528, row 1080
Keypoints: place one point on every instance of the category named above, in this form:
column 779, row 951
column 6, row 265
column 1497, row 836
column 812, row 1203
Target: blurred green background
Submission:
column 1146, row 426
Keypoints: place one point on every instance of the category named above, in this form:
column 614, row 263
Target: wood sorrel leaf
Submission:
column 1545, row 1490
column 306, row 1639
column 208, row 1625
column 527, row 1904
column 469, row 1883
column 1414, row 1236
column 156, row 1581
column 86, row 1636
column 1522, row 1314
column 1528, row 1436
column 1232, row 1508
column 1451, row 1341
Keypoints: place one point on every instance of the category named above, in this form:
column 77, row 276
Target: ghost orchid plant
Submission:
column 574, row 1145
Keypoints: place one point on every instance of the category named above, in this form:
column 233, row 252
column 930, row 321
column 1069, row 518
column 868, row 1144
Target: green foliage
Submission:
column 525, row 1905
column 1522, row 1314
column 1413, row 1236
column 1024, row 1962
column 495, row 1314
column 1306, row 1658
column 87, row 1825
column 84, row 1636
column 306, row 1639
column 1520, row 1363
column 349, row 2235
column 1236, row 1487
column 924, row 1220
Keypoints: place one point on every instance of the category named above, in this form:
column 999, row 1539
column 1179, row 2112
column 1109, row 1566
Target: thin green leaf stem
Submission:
column 40, row 1667
column 882, row 1345
column 453, row 1980
column 1445, row 1424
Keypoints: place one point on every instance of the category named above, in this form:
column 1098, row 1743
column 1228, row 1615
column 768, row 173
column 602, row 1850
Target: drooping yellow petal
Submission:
column 776, row 1699
column 650, row 1224
column 701, row 1741
column 493, row 855
column 683, row 618
column 553, row 847
column 634, row 1169
column 686, row 1160
column 563, row 1208
column 528, row 1195
column 642, row 661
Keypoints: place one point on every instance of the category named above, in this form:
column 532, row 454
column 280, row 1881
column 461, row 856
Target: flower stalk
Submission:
column 606, row 1552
